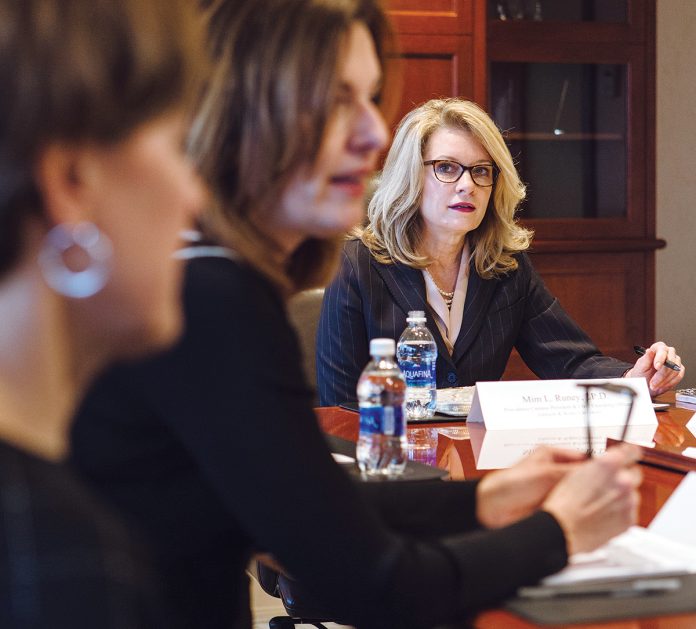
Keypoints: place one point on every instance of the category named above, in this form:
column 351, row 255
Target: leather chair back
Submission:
column 303, row 310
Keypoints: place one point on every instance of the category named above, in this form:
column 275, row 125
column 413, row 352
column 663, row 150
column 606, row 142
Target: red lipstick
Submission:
column 462, row 207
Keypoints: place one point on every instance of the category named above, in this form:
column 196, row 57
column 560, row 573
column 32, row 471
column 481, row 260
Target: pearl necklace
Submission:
column 447, row 296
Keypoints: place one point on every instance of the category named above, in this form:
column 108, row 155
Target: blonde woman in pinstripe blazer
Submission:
column 442, row 237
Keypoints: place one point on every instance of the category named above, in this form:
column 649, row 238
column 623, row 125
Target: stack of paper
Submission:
column 455, row 401
column 667, row 546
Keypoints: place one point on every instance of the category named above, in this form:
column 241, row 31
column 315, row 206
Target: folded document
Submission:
column 666, row 547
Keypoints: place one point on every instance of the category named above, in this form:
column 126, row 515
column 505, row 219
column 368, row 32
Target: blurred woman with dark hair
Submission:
column 213, row 448
column 94, row 190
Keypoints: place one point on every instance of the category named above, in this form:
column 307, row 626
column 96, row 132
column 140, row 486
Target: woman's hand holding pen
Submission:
column 653, row 366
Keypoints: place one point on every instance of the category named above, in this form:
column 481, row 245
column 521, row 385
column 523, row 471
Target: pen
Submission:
column 668, row 363
column 639, row 587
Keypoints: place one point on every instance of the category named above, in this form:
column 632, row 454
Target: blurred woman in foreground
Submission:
column 94, row 190
column 213, row 448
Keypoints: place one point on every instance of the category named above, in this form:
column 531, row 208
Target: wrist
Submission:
column 482, row 510
column 566, row 529
column 565, row 532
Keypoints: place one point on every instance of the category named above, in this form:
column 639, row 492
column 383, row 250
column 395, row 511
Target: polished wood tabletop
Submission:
column 453, row 452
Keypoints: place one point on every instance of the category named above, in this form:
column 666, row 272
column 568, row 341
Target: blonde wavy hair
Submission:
column 394, row 228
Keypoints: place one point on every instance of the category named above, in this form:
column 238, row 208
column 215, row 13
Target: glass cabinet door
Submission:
column 566, row 126
column 559, row 10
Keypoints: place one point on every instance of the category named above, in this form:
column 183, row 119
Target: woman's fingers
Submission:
column 599, row 499
column 652, row 367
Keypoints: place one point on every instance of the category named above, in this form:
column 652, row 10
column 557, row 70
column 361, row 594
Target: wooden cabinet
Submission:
column 572, row 85
column 434, row 17
column 441, row 43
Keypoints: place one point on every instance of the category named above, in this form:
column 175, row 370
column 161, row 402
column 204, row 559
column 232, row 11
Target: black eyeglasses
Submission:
column 614, row 388
column 449, row 171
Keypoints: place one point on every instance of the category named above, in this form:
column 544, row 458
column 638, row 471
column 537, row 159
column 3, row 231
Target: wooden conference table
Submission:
column 662, row 472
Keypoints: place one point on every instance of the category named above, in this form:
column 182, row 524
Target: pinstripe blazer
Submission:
column 368, row 300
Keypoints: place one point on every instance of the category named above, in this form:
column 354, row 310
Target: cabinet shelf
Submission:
column 562, row 137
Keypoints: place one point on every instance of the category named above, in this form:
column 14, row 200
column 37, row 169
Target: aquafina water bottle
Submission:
column 381, row 446
column 416, row 352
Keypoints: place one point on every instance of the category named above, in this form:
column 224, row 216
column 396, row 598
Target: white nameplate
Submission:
column 557, row 403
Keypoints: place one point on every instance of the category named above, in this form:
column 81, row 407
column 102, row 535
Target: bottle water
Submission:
column 381, row 446
column 417, row 355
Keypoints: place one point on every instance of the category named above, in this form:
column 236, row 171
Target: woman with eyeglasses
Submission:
column 442, row 237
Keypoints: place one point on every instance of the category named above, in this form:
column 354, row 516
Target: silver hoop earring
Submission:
column 95, row 245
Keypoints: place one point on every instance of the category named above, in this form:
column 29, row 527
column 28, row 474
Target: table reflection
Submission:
column 466, row 451
column 421, row 445
column 495, row 449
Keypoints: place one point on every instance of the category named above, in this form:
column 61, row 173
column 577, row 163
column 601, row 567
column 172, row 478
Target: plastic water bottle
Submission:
column 381, row 446
column 417, row 355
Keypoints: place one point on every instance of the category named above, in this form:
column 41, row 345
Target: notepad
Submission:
column 667, row 546
column 455, row 401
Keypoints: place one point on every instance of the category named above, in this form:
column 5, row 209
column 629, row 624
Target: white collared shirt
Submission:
column 449, row 320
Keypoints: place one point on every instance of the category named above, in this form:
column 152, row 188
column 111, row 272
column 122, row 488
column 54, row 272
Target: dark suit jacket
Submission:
column 369, row 300
column 213, row 451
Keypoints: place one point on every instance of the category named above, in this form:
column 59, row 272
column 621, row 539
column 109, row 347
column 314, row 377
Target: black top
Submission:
column 214, row 451
column 368, row 299
column 65, row 563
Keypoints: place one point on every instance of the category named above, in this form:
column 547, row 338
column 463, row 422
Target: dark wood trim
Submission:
column 528, row 32
column 509, row 49
column 631, row 226
column 648, row 166
column 524, row 32
column 650, row 117
column 423, row 20
column 480, row 52
column 596, row 246
column 649, row 295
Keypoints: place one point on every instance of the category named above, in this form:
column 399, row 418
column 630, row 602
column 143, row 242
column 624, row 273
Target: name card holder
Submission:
column 557, row 403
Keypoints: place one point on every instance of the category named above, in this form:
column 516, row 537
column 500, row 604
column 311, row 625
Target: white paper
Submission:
column 667, row 545
column 635, row 553
column 691, row 424
column 677, row 518
column 455, row 401
column 690, row 452
column 342, row 458
column 557, row 403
